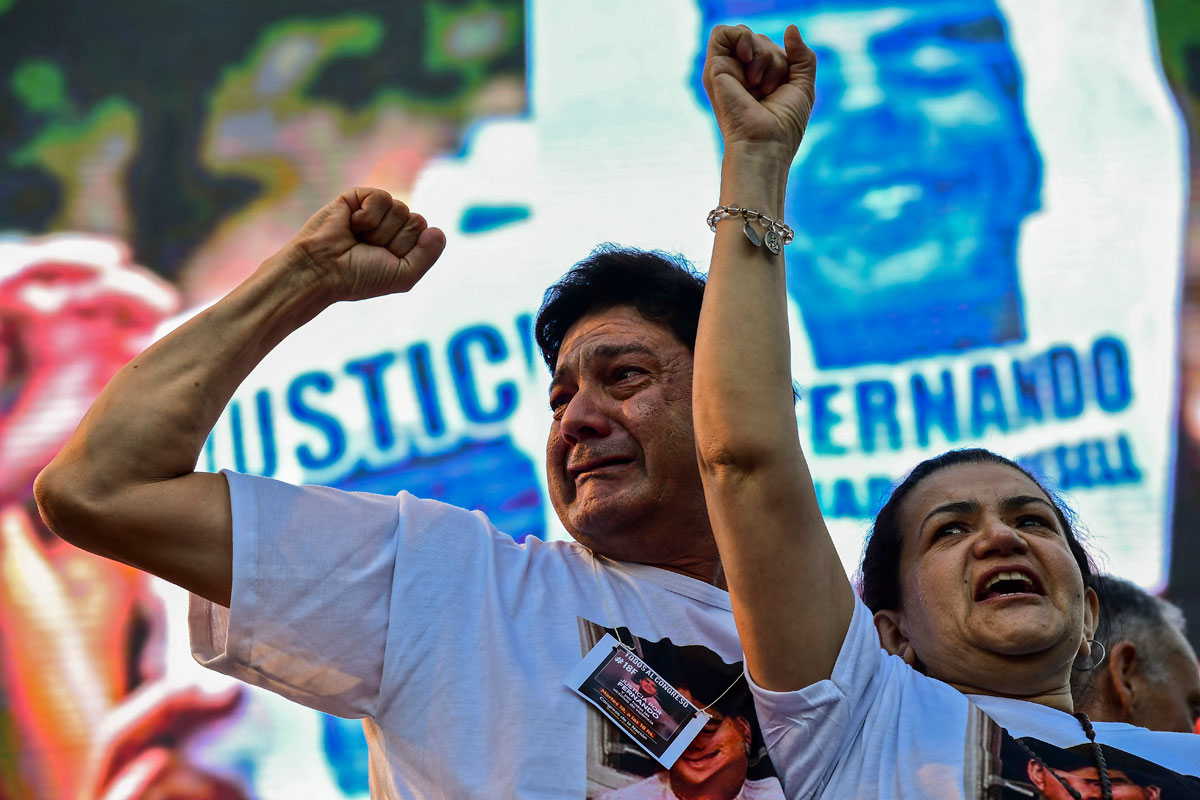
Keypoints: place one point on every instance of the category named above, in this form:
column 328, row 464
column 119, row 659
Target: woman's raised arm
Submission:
column 790, row 595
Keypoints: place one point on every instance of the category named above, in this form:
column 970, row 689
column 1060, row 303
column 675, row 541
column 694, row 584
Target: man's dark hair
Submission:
column 1128, row 613
column 879, row 574
column 663, row 288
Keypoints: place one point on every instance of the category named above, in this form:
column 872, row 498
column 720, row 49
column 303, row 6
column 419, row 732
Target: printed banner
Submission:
column 988, row 253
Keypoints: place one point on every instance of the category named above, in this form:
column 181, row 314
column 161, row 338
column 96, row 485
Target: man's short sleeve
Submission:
column 313, row 577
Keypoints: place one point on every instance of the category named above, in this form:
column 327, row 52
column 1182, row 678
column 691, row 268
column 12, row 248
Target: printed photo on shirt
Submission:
column 726, row 760
column 1005, row 767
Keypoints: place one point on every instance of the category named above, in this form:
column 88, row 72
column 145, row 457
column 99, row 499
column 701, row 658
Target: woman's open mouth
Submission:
column 1008, row 582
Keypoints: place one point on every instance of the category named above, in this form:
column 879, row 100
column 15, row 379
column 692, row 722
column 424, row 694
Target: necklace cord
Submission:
column 1097, row 754
column 603, row 599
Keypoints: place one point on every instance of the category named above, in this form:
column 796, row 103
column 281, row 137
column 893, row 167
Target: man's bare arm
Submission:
column 125, row 485
column 790, row 595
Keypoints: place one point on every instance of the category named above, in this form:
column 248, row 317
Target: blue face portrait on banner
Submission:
column 915, row 176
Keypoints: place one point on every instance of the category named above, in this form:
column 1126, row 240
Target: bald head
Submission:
column 1149, row 676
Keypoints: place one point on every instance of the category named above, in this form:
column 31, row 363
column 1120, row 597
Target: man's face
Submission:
column 648, row 687
column 1169, row 699
column 620, row 459
column 1086, row 781
column 716, row 760
column 915, row 174
column 940, row 84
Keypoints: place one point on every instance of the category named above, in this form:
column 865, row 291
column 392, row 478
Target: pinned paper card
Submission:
column 651, row 712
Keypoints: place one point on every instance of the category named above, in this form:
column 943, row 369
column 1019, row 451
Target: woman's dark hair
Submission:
column 879, row 574
column 662, row 287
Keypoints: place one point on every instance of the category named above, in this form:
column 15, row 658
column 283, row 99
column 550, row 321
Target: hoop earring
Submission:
column 1093, row 659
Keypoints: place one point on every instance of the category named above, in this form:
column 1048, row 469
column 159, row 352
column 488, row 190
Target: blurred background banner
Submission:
column 991, row 211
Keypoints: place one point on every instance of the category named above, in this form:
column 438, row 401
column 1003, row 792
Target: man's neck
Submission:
column 706, row 572
column 1100, row 705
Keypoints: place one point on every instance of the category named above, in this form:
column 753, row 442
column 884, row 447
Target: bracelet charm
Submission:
column 776, row 236
column 751, row 234
column 773, row 242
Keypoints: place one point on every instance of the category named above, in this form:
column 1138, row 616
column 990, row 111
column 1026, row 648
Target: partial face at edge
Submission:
column 986, row 571
column 620, row 459
column 1170, row 696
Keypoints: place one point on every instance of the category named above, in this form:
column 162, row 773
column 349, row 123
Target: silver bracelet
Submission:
column 776, row 237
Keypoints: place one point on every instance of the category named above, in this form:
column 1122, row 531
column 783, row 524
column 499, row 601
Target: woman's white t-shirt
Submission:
column 877, row 728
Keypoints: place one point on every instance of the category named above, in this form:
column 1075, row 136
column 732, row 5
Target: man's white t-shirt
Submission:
column 451, row 640
column 877, row 728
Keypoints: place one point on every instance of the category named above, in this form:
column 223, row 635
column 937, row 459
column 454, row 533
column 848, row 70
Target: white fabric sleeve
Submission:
column 807, row 732
column 315, row 597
